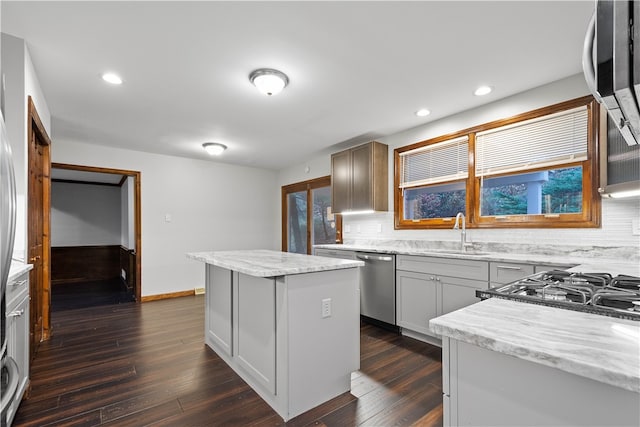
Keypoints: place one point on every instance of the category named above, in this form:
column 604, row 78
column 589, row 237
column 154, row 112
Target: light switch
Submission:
column 167, row 217
column 330, row 216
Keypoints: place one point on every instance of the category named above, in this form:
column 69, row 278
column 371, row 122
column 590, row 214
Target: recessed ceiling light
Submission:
column 423, row 112
column 483, row 90
column 269, row 81
column 112, row 78
column 214, row 148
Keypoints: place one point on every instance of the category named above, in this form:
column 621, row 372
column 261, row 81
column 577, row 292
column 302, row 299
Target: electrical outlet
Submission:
column 326, row 307
column 167, row 218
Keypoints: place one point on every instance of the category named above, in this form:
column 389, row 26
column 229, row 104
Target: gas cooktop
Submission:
column 597, row 293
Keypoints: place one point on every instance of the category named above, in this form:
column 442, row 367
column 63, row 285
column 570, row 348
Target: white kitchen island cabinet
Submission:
column 288, row 324
column 507, row 363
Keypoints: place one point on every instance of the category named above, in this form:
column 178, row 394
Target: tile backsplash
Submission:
column 617, row 230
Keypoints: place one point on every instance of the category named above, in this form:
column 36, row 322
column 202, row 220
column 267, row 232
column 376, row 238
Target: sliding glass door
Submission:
column 307, row 219
column 297, row 222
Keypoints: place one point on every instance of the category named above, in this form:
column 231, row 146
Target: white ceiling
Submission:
column 358, row 70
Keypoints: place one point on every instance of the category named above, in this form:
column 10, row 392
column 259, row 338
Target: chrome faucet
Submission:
column 463, row 231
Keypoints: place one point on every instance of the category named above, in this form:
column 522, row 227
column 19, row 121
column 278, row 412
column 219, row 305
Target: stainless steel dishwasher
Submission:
column 378, row 287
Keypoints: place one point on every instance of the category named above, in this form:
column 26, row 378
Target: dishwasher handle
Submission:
column 374, row 258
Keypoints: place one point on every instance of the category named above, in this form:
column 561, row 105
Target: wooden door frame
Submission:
column 137, row 212
column 35, row 128
column 307, row 186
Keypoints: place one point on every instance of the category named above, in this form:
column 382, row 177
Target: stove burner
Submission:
column 598, row 293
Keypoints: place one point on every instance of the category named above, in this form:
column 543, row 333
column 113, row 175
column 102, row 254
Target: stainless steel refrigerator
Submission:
column 10, row 374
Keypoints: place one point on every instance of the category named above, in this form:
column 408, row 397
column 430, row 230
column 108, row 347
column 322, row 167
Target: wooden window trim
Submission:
column 591, row 202
column 307, row 186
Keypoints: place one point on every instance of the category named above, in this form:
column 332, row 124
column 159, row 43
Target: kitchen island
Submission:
column 513, row 363
column 288, row 324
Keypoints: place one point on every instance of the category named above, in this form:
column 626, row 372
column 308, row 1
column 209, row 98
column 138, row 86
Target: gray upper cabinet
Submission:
column 360, row 178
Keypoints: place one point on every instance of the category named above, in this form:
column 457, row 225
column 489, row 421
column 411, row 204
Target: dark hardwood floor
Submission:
column 70, row 296
column 146, row 364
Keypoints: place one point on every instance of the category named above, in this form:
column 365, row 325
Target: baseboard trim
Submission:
column 157, row 297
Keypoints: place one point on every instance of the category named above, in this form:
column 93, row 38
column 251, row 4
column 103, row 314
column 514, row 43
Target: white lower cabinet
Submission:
column 457, row 293
column 488, row 388
column 218, row 321
column 507, row 272
column 417, row 300
column 502, row 273
column 428, row 287
column 17, row 318
column 256, row 331
column 273, row 333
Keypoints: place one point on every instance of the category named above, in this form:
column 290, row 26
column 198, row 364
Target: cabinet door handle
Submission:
column 16, row 313
column 20, row 283
column 508, row 267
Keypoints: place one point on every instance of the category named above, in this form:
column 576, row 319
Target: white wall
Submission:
column 213, row 206
column 616, row 215
column 21, row 82
column 84, row 214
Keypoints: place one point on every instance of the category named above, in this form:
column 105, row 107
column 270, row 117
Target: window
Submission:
column 537, row 169
column 305, row 203
column 433, row 178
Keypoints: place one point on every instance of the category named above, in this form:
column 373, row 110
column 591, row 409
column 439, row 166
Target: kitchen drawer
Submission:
column 17, row 289
column 507, row 272
column 545, row 267
column 452, row 267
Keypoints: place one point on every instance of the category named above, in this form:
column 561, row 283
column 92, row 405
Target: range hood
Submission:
column 619, row 163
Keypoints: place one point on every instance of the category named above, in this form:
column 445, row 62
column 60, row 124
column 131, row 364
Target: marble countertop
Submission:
column 266, row 263
column 597, row 347
column 582, row 259
column 17, row 269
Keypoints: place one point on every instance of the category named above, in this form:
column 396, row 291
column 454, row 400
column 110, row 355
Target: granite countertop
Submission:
column 602, row 348
column 266, row 263
column 606, row 260
column 17, row 269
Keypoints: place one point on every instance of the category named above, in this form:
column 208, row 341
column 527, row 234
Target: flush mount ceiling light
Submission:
column 423, row 112
column 269, row 81
column 112, row 78
column 483, row 90
column 214, row 148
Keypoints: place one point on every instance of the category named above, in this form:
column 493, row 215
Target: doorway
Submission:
column 307, row 219
column 96, row 236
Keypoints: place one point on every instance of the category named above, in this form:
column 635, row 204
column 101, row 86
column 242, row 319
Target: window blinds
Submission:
column 554, row 139
column 441, row 162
